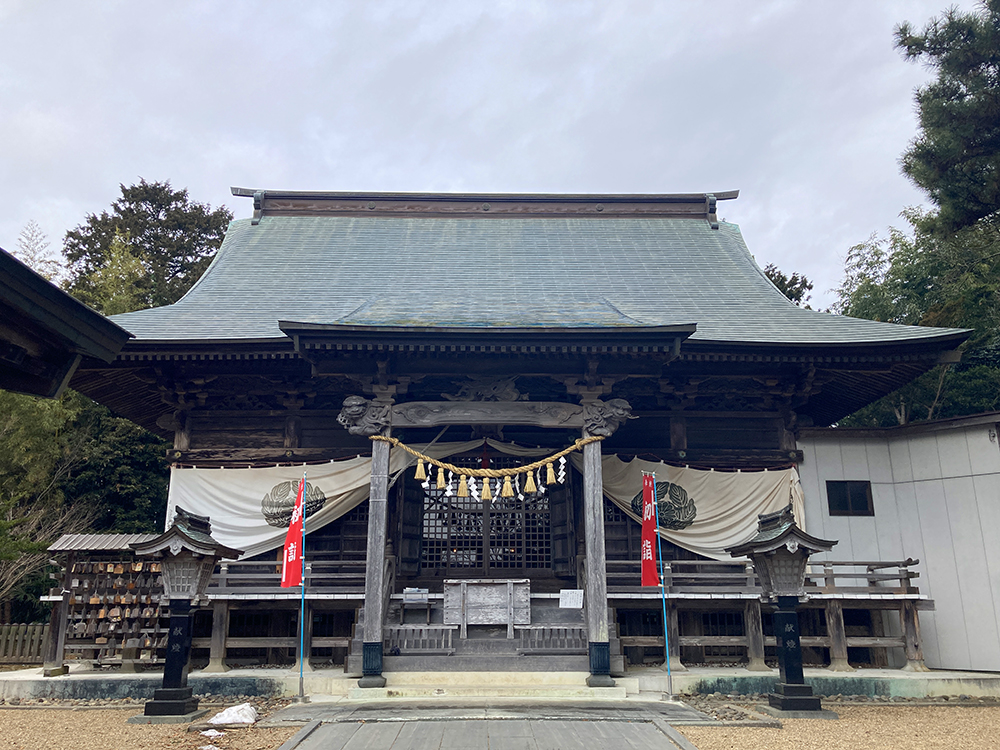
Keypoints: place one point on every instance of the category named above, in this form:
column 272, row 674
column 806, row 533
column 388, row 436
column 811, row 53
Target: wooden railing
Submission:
column 258, row 577
column 22, row 644
column 857, row 577
column 877, row 576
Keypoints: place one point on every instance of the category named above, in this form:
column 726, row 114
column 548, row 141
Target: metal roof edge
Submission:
column 956, row 335
column 934, row 425
column 446, row 330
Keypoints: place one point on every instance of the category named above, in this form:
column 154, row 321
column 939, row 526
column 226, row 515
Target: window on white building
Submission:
column 850, row 498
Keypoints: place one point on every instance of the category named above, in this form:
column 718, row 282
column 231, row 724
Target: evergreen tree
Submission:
column 946, row 270
column 116, row 286
column 33, row 251
column 70, row 465
column 171, row 238
column 956, row 156
column 795, row 287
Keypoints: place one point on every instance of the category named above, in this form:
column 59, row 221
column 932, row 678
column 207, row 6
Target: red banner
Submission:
column 649, row 576
column 291, row 568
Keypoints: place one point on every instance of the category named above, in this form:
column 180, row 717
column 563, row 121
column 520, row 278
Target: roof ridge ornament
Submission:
column 258, row 207
column 542, row 205
column 710, row 210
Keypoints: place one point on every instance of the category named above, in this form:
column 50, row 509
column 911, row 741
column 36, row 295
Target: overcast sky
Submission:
column 804, row 107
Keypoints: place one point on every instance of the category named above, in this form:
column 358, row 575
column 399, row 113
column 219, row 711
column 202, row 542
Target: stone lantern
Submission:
column 188, row 555
column 779, row 553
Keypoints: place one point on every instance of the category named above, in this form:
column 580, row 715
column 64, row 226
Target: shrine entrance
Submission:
column 471, row 537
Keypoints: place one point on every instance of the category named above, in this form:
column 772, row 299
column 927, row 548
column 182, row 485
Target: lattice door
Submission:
column 466, row 536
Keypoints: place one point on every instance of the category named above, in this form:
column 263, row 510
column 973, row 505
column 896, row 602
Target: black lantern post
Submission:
column 779, row 552
column 188, row 555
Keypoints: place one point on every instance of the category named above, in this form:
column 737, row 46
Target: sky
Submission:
column 805, row 107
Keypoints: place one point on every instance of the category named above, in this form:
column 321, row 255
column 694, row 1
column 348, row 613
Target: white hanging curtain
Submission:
column 725, row 504
column 233, row 497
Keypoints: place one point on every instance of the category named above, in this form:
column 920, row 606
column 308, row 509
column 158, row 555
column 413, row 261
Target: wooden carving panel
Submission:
column 539, row 414
column 487, row 602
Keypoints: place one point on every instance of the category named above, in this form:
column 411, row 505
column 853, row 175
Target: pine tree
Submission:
column 956, row 156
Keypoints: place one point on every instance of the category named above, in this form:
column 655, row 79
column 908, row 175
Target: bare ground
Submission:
column 106, row 729
column 864, row 727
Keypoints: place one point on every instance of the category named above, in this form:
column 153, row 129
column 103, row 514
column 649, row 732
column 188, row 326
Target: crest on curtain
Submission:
column 278, row 504
column 676, row 510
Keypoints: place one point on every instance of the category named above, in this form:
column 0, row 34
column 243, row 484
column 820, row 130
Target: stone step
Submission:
column 540, row 692
column 485, row 663
column 497, row 679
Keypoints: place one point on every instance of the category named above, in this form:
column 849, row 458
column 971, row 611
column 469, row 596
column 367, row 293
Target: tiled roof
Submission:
column 526, row 271
column 98, row 542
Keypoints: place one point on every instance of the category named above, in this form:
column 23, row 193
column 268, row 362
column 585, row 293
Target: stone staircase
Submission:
column 554, row 642
column 492, row 684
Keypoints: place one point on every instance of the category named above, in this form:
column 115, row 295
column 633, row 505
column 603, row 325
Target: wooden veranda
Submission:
column 114, row 615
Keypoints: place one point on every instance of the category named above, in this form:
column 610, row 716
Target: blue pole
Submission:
column 302, row 604
column 663, row 590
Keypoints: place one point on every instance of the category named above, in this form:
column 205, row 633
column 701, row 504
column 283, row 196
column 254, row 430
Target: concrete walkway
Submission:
column 673, row 712
column 421, row 725
column 525, row 734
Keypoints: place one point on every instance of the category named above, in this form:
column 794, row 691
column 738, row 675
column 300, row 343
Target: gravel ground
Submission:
column 899, row 727
column 106, row 729
column 728, row 707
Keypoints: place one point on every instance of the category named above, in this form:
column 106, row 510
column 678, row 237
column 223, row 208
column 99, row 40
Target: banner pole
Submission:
column 663, row 592
column 302, row 604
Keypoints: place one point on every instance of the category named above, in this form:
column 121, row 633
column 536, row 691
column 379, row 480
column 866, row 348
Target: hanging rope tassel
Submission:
column 420, row 473
column 487, row 495
column 550, row 474
column 463, row 486
column 529, row 485
column 507, row 490
column 440, row 479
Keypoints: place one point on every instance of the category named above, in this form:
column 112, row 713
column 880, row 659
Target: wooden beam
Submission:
column 533, row 413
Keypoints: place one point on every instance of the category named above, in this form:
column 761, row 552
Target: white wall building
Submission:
column 929, row 491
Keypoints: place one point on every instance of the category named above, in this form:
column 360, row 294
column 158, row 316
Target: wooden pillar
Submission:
column 596, row 569
column 911, row 636
column 306, row 641
column 674, row 634
column 371, row 660
column 838, row 636
column 293, row 431
column 182, row 433
column 754, row 629
column 54, row 663
column 678, row 433
column 220, row 629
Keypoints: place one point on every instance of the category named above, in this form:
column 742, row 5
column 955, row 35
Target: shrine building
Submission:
column 560, row 344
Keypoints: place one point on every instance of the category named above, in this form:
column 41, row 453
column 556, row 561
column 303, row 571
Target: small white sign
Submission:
column 571, row 598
